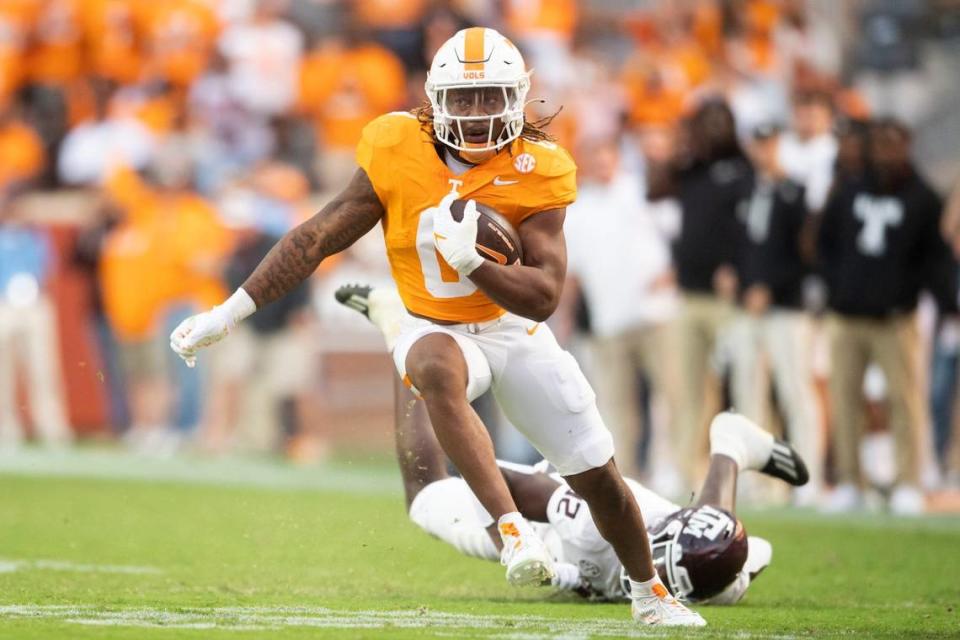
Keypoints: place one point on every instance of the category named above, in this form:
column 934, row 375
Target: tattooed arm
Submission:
column 338, row 225
column 291, row 261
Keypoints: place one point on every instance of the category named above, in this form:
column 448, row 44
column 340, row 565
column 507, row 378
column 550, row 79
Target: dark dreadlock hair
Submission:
column 533, row 131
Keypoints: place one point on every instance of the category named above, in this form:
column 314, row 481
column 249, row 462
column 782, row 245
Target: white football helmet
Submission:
column 487, row 63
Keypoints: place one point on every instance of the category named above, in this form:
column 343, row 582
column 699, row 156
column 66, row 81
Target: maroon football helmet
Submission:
column 697, row 551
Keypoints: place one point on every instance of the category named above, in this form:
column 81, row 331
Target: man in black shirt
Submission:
column 773, row 329
column 708, row 178
column 259, row 383
column 879, row 246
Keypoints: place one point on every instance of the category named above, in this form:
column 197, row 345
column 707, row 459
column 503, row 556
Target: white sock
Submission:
column 738, row 438
column 645, row 589
column 510, row 525
column 386, row 311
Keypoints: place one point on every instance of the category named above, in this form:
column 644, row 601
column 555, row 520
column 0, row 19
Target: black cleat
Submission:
column 355, row 296
column 785, row 463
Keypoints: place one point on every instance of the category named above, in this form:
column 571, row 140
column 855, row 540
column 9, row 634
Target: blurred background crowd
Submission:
column 765, row 221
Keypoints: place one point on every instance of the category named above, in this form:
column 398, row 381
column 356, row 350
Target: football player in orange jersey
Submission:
column 471, row 324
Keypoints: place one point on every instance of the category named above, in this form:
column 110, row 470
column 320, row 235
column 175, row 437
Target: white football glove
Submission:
column 457, row 241
column 210, row 327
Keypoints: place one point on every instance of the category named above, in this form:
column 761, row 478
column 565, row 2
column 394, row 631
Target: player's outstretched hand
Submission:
column 210, row 327
column 457, row 241
column 197, row 332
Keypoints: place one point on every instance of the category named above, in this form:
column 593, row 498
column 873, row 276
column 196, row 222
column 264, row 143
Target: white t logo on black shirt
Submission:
column 876, row 213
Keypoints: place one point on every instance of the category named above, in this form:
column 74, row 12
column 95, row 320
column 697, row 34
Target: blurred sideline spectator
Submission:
column 165, row 252
column 808, row 151
column 880, row 244
column 87, row 257
column 709, row 177
column 773, row 333
column 258, row 383
column 27, row 317
column 28, row 337
column 629, row 289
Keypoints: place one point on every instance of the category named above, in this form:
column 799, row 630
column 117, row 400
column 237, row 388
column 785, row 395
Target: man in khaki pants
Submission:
column 894, row 345
column 629, row 313
column 772, row 338
column 709, row 177
column 879, row 246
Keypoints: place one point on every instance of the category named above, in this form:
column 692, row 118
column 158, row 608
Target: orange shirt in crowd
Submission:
column 179, row 37
column 660, row 79
column 654, row 104
column 21, row 153
column 16, row 20
column 760, row 18
column 524, row 17
column 56, row 49
column 111, row 33
column 389, row 14
column 343, row 89
column 168, row 249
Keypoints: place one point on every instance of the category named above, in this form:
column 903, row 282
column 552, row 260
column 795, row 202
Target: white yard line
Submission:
column 522, row 627
column 10, row 566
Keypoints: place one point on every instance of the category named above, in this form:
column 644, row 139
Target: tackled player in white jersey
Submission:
column 702, row 552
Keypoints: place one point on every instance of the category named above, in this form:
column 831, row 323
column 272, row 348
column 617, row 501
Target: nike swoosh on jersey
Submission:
column 497, row 182
column 532, row 330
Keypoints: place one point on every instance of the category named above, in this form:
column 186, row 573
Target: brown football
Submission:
column 497, row 240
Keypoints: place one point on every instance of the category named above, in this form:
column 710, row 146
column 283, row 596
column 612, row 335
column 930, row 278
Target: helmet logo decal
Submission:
column 707, row 523
column 524, row 163
column 473, row 50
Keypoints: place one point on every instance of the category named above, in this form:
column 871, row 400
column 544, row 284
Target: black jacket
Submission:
column 773, row 215
column 710, row 235
column 878, row 250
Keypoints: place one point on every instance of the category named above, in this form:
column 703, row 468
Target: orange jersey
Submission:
column 398, row 154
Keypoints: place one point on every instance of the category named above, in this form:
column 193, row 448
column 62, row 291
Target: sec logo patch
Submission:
column 524, row 163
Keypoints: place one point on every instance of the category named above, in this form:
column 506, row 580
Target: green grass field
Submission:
column 330, row 554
